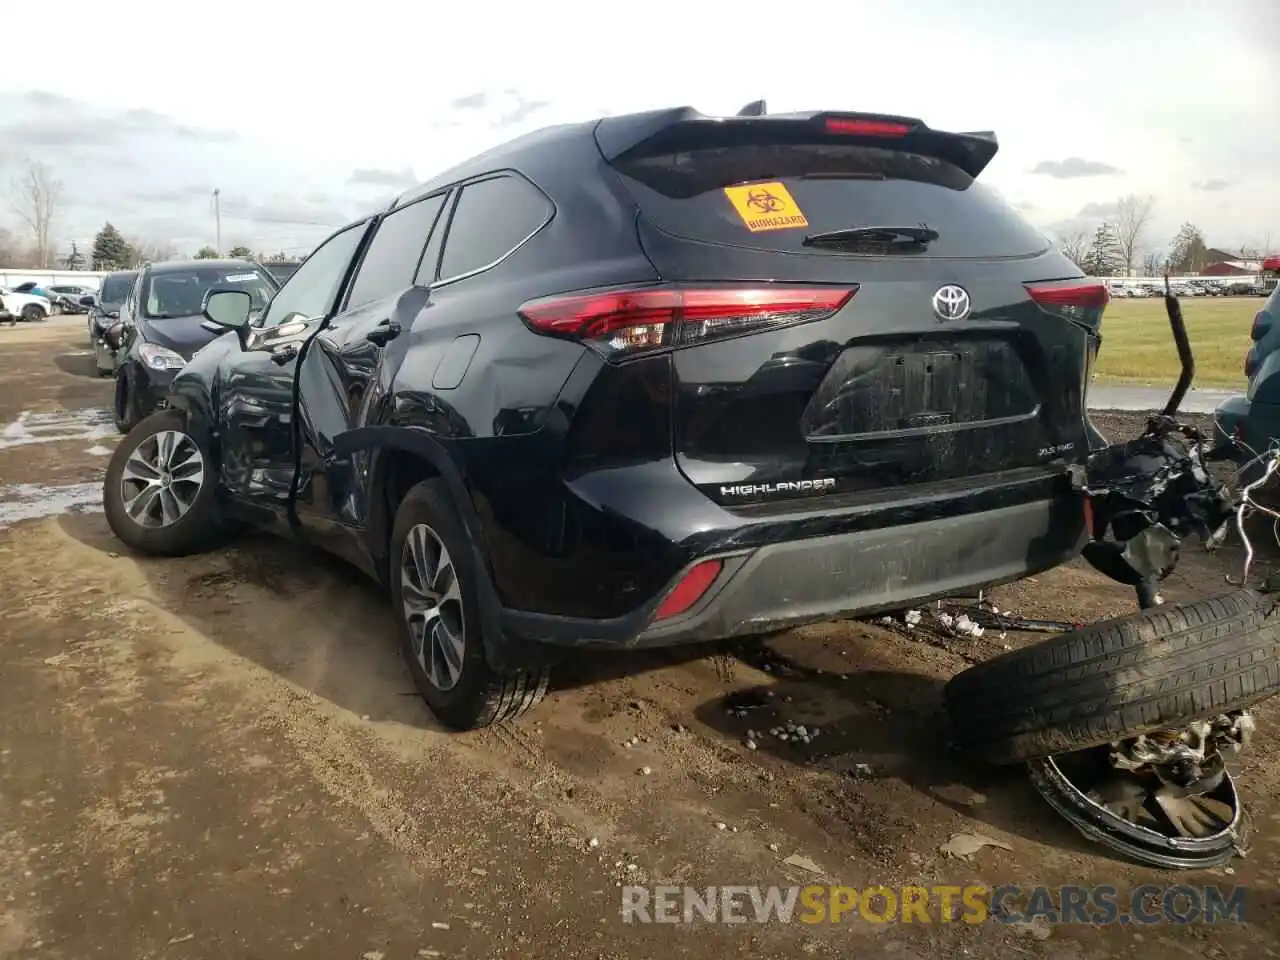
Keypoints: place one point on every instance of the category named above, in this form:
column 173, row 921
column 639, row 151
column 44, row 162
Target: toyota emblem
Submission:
column 951, row 302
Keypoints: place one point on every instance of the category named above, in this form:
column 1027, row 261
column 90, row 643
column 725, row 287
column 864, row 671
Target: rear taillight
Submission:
column 1081, row 301
column 649, row 318
column 1248, row 362
column 857, row 127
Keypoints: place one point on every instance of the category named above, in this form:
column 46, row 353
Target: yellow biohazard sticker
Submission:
column 766, row 206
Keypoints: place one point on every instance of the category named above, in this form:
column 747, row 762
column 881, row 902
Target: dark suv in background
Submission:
column 654, row 379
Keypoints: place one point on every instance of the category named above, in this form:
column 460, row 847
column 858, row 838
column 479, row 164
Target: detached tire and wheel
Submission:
column 1116, row 679
column 159, row 493
column 434, row 590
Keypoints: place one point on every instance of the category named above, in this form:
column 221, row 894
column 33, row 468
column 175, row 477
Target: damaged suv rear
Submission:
column 853, row 382
column 650, row 380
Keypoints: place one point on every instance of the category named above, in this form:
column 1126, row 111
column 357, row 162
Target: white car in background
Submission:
column 23, row 306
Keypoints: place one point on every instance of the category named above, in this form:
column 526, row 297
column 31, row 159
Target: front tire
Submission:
column 159, row 494
column 434, row 587
column 32, row 314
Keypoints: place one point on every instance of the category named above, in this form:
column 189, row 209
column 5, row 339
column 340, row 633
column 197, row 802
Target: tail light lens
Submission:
column 626, row 322
column 1081, row 301
column 1248, row 362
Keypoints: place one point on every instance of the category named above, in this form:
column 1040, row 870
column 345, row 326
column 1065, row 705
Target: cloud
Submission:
column 507, row 107
column 1074, row 167
column 1098, row 211
column 312, row 210
column 373, row 177
column 522, row 110
column 53, row 120
column 1025, row 205
column 471, row 101
column 175, row 195
column 1210, row 185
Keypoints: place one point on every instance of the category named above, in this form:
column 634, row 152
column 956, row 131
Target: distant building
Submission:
column 1225, row 263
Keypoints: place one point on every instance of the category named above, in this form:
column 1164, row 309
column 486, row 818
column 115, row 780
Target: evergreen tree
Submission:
column 1103, row 257
column 110, row 250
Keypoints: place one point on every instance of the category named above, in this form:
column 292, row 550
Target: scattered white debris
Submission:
column 722, row 826
column 645, row 771
column 367, row 955
column 965, row 845
column 437, row 925
column 751, row 744
column 429, row 954
column 56, row 659
column 190, row 936
column 912, row 617
column 98, row 450
column 773, row 848
column 593, row 842
column 803, row 863
column 479, row 873
column 863, row 768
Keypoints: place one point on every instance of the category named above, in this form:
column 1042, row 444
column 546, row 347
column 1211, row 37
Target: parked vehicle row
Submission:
column 17, row 305
column 1209, row 287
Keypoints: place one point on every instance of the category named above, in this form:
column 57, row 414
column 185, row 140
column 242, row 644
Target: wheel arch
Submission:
column 402, row 456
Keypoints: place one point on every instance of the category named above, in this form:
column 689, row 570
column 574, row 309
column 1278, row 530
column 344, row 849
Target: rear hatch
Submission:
column 962, row 352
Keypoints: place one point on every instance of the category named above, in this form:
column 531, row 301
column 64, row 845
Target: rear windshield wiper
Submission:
column 919, row 237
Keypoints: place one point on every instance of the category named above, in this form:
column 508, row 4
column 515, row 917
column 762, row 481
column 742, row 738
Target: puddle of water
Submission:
column 89, row 424
column 33, row 501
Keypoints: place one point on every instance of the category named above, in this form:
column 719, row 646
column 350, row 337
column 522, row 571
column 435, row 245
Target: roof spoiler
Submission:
column 684, row 128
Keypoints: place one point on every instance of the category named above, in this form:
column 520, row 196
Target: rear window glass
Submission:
column 115, row 289
column 830, row 187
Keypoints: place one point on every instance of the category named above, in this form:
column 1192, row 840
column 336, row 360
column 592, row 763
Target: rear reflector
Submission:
column 648, row 318
column 851, row 126
column 689, row 590
column 1088, row 516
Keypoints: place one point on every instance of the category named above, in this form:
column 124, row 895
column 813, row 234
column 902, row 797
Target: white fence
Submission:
column 11, row 277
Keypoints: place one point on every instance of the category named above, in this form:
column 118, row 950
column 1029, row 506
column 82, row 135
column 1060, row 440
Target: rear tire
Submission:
column 159, row 494
column 434, row 590
column 1118, row 678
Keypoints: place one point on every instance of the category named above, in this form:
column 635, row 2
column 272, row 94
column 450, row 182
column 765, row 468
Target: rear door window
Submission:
column 780, row 193
column 391, row 262
column 490, row 219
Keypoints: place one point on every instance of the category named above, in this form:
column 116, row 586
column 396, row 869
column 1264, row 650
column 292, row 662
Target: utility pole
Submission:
column 217, row 222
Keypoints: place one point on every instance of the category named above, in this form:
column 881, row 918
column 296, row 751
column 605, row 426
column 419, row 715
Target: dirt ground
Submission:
column 222, row 756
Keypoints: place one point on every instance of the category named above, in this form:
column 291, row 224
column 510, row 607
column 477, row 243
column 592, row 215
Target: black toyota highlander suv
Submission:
column 647, row 380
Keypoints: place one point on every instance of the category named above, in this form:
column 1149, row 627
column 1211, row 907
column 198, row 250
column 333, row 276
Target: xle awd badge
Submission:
column 952, row 302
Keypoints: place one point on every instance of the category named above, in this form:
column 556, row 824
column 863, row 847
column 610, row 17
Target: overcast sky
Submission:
column 304, row 120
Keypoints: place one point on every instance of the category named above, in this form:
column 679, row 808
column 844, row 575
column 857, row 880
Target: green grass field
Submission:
column 1137, row 346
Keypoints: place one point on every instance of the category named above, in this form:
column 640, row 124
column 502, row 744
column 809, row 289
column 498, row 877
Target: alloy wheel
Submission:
column 432, row 603
column 161, row 479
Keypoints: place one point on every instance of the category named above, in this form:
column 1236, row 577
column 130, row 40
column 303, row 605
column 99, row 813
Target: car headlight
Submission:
column 160, row 358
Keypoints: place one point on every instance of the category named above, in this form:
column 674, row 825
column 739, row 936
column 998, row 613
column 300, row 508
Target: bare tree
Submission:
column 37, row 197
column 150, row 251
column 1074, row 244
column 1133, row 215
column 1152, row 264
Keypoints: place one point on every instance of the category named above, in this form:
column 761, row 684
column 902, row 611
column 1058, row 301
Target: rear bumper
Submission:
column 854, row 573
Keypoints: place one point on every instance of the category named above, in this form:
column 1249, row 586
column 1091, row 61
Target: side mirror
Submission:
column 87, row 301
column 229, row 310
column 113, row 335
